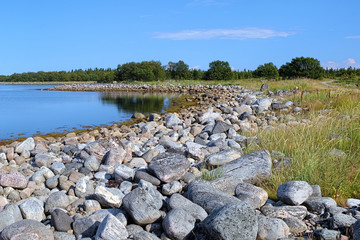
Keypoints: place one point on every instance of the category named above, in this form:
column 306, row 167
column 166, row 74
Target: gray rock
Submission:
column 169, row 166
column 91, row 206
column 139, row 204
column 326, row 234
column 17, row 181
column 147, row 177
column 178, row 223
column 168, row 143
column 341, row 220
column 125, row 187
column 172, row 120
column 109, row 197
column 178, row 201
column 52, row 182
column 316, row 191
column 63, row 236
column 114, row 157
column 28, row 144
column 9, row 215
column 32, row 208
column 44, row 159
column 27, row 229
column 207, row 196
column 123, row 172
column 111, row 228
column 352, row 202
column 223, row 157
column 195, row 150
column 61, row 220
column 132, row 229
column 294, row 192
column 284, row 211
column 221, row 127
column 56, row 200
column 254, row 196
column 209, row 116
column 295, row 225
column 58, row 168
column 84, row 187
column 356, row 230
column 264, row 87
column 271, row 228
column 143, row 235
column 171, row 188
column 92, row 164
column 226, row 222
column 98, row 148
column 319, row 204
column 251, row 168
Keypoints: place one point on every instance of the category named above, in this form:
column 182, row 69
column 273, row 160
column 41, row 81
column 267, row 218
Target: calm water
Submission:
column 26, row 110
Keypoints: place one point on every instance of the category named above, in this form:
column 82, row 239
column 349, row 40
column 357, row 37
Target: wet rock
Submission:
column 27, row 229
column 294, row 192
column 169, row 166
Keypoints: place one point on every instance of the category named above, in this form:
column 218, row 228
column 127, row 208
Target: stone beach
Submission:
column 146, row 180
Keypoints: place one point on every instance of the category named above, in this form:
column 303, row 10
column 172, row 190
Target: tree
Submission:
column 268, row 71
column 144, row 71
column 302, row 67
column 179, row 70
column 219, row 70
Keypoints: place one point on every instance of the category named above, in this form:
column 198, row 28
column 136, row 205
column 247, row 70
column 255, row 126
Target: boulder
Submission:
column 84, row 187
column 178, row 201
column 61, row 220
column 319, row 204
column 271, row 228
column 171, row 188
column 340, row 220
column 254, row 196
column 109, row 197
column 9, row 215
column 56, row 200
column 172, row 120
column 111, row 228
column 17, row 181
column 223, row 157
column 231, row 221
column 142, row 208
column 295, row 225
column 251, row 168
column 27, row 229
column 294, row 192
column 204, row 194
column 178, row 223
column 32, row 208
column 282, row 212
column 169, row 166
column 114, row 157
column 221, row 127
column 28, row 144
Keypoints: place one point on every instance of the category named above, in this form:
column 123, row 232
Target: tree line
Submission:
column 299, row 67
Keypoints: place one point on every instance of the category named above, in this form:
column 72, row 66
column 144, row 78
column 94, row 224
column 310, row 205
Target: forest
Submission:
column 299, row 67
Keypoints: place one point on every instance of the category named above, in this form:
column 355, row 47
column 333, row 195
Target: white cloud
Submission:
column 350, row 62
column 237, row 34
column 353, row 37
column 195, row 67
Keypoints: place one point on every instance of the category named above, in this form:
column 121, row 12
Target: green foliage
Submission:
column 144, row 71
column 219, row 70
column 268, row 71
column 301, row 67
column 178, row 70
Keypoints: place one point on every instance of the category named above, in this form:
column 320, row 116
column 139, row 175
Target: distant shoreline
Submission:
column 41, row 83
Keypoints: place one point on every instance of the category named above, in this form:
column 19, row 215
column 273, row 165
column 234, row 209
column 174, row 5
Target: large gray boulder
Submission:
column 207, row 196
column 298, row 212
column 178, row 223
column 172, row 120
column 32, row 208
column 169, row 166
column 178, row 201
column 28, row 144
column 251, row 194
column 223, row 157
column 109, row 197
column 9, row 215
column 319, row 204
column 251, row 168
column 141, row 206
column 271, row 228
column 221, row 127
column 61, row 220
column 56, row 200
column 356, row 230
column 111, row 228
column 232, row 221
column 27, row 229
column 294, row 192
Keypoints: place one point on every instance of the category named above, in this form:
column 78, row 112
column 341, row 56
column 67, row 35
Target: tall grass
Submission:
column 309, row 145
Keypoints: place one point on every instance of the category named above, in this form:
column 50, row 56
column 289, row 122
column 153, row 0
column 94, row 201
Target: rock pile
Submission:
column 144, row 181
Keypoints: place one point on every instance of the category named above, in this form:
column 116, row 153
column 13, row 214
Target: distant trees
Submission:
column 302, row 67
column 268, row 71
column 219, row 70
column 178, row 70
column 143, row 71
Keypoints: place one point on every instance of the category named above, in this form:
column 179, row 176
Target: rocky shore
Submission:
column 174, row 176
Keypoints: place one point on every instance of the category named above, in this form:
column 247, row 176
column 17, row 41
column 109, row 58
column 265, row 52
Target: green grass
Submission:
column 308, row 146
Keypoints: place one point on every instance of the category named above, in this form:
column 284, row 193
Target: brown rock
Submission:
column 13, row 180
column 75, row 176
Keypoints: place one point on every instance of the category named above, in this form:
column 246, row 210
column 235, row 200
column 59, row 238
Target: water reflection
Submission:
column 137, row 102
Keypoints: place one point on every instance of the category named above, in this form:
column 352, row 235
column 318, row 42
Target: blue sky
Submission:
column 43, row 35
